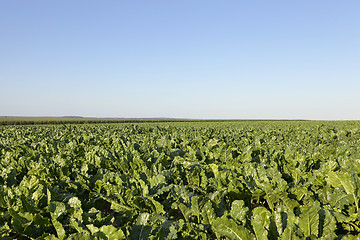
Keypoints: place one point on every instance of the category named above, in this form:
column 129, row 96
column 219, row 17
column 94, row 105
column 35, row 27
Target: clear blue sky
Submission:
column 180, row 58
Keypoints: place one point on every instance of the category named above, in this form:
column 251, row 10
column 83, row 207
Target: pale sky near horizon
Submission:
column 186, row 59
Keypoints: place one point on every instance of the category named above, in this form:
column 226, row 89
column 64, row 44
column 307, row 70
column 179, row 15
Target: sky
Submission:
column 181, row 59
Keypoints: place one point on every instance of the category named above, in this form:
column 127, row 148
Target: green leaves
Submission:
column 327, row 225
column 75, row 204
column 228, row 228
column 28, row 224
column 57, row 209
column 239, row 211
column 348, row 182
column 208, row 213
column 338, row 199
column 141, row 230
column 112, row 233
column 106, row 232
column 309, row 220
column 247, row 180
column 260, row 222
column 59, row 228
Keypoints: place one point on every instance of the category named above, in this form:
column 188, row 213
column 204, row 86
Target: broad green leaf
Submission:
column 228, row 228
column 346, row 181
column 59, row 228
column 156, row 180
column 300, row 192
column 117, row 207
column 172, row 233
column 142, row 219
column 144, row 188
column 30, row 182
column 92, row 228
column 186, row 212
column 215, row 169
column 309, row 220
column 208, row 213
column 182, row 194
column 291, row 204
column 141, row 230
column 260, row 222
column 292, row 230
column 38, row 194
column 78, row 226
column 238, row 211
column 341, row 179
column 327, row 225
column 159, row 209
column 112, row 233
column 280, row 218
column 290, row 233
column 341, row 218
column 74, row 202
column 56, row 209
column 194, row 208
column 338, row 199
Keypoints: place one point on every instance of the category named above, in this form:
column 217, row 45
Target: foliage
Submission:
column 201, row 180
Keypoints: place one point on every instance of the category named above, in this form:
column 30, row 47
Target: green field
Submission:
column 85, row 120
column 81, row 120
column 181, row 180
column 69, row 120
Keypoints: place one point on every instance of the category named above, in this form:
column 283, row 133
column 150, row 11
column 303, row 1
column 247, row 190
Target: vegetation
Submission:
column 80, row 120
column 199, row 180
column 75, row 120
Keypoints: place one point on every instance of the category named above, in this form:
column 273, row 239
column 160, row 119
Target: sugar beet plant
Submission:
column 238, row 180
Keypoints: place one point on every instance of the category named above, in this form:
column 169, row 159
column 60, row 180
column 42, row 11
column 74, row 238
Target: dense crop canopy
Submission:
column 238, row 180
